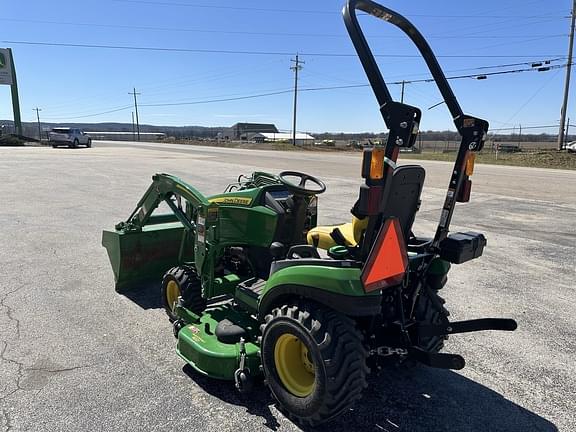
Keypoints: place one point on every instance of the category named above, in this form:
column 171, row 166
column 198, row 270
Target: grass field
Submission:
column 527, row 158
column 536, row 158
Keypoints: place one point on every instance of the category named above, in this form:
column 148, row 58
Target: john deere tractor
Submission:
column 253, row 287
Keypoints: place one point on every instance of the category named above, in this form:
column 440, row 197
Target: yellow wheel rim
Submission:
column 172, row 293
column 294, row 365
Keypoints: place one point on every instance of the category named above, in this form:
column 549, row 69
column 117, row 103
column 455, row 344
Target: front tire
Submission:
column 314, row 361
column 89, row 143
column 182, row 282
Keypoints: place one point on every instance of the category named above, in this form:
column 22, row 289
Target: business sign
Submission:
column 5, row 67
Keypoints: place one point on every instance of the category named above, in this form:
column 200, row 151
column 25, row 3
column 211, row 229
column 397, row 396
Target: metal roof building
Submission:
column 243, row 130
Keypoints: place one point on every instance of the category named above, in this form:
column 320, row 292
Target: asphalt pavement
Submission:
column 76, row 356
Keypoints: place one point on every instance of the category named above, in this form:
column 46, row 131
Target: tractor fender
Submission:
column 337, row 288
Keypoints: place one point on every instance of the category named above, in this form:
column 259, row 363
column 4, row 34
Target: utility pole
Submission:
column 39, row 127
column 567, row 81
column 402, row 95
column 133, row 128
column 136, row 109
column 296, row 67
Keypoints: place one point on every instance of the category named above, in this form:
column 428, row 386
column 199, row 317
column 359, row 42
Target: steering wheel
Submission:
column 300, row 187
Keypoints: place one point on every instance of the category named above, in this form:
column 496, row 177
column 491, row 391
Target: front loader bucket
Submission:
column 139, row 256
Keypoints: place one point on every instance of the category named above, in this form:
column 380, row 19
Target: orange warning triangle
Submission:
column 388, row 260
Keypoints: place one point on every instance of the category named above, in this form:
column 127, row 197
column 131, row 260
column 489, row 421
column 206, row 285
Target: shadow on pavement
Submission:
column 418, row 399
column 257, row 402
column 146, row 295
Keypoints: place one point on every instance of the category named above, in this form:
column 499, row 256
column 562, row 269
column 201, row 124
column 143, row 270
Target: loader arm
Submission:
column 146, row 245
column 163, row 188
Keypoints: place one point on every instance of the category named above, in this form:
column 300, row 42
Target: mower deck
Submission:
column 200, row 347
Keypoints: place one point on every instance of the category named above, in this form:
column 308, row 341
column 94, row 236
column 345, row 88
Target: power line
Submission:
column 454, row 77
column 91, row 115
column 340, row 87
column 258, row 33
column 278, row 53
column 536, row 92
column 509, row 25
column 226, row 98
column 308, row 89
column 304, row 11
column 218, row 100
column 236, row 8
column 211, row 77
column 524, row 127
column 532, row 63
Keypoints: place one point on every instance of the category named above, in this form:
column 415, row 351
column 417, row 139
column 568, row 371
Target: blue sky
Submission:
column 74, row 84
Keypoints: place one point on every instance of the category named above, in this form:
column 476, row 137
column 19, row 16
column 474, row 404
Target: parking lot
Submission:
column 76, row 356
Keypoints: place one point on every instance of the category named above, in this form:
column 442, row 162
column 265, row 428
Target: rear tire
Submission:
column 182, row 281
column 314, row 361
column 430, row 310
column 75, row 144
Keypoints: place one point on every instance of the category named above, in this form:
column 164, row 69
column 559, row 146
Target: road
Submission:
column 74, row 355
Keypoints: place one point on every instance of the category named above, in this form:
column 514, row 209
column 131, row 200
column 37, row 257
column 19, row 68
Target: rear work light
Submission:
column 388, row 260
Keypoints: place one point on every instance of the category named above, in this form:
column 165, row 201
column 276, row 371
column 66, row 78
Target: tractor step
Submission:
column 252, row 287
column 248, row 292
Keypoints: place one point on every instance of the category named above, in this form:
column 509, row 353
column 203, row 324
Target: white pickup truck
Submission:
column 69, row 136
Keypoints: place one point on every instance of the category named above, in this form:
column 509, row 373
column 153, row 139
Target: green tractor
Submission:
column 253, row 287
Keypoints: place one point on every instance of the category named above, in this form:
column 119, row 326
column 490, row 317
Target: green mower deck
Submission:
column 201, row 349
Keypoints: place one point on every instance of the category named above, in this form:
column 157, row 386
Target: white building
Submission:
column 301, row 138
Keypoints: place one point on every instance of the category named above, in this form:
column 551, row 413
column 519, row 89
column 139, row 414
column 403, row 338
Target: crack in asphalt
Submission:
column 19, row 373
column 9, row 425
column 19, row 376
column 10, row 311
column 59, row 369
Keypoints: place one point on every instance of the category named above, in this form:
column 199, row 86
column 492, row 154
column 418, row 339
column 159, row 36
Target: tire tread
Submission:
column 344, row 356
column 190, row 287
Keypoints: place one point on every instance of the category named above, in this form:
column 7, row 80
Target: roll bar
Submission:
column 403, row 120
column 369, row 63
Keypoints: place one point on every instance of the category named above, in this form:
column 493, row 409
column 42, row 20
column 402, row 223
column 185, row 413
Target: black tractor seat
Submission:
column 403, row 202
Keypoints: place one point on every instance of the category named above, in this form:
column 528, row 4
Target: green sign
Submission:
column 5, row 67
